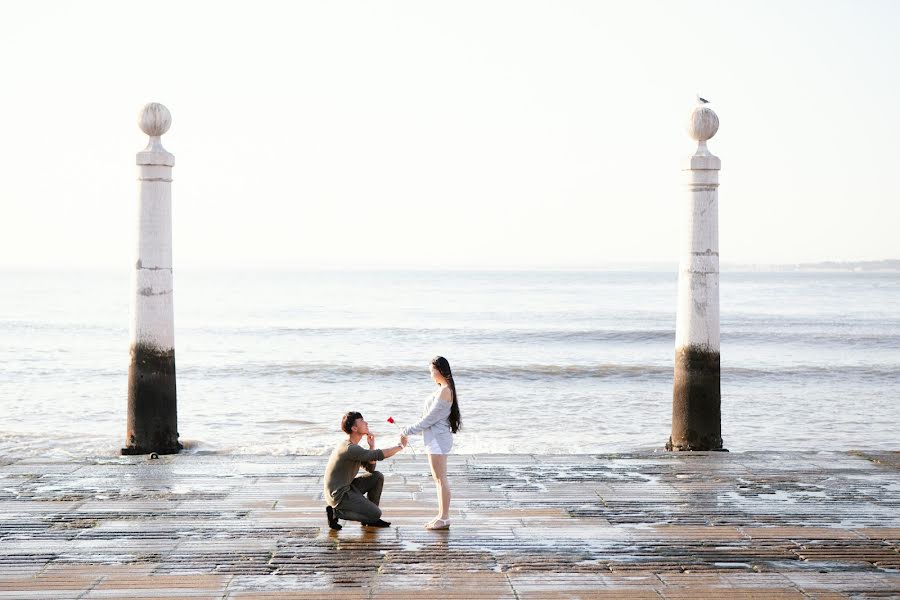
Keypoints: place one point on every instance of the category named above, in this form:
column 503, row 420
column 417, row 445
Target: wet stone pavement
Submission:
column 640, row 525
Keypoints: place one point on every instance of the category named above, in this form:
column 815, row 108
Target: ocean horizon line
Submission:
column 880, row 265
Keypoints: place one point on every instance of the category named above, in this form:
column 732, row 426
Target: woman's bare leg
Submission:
column 438, row 463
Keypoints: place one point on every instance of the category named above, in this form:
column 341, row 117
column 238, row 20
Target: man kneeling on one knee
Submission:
column 350, row 497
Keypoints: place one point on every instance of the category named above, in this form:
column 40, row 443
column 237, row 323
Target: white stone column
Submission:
column 152, row 411
column 696, row 399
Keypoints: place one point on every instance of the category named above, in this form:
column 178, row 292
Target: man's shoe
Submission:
column 377, row 523
column 332, row 520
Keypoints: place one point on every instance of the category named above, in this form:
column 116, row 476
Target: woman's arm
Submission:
column 436, row 413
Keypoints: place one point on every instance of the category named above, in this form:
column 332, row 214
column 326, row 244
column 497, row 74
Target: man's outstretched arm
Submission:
column 388, row 452
column 358, row 453
column 369, row 457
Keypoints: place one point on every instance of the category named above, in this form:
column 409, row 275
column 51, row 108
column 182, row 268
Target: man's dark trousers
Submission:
column 355, row 506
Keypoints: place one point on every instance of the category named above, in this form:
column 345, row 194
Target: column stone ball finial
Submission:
column 155, row 119
column 703, row 123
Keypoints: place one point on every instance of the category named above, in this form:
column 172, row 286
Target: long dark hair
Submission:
column 443, row 366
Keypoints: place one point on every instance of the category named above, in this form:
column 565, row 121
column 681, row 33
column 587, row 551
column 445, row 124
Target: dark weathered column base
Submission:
column 696, row 401
column 152, row 411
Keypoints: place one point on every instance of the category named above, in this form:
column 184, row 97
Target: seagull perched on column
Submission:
column 701, row 100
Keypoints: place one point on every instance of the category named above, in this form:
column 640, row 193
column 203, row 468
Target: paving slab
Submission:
column 627, row 525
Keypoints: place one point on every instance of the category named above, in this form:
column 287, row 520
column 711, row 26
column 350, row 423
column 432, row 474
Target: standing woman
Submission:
column 440, row 422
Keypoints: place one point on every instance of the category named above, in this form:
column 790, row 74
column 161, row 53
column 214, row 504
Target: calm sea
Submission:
column 545, row 361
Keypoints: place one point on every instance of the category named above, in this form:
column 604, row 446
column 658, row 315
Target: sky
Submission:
column 449, row 134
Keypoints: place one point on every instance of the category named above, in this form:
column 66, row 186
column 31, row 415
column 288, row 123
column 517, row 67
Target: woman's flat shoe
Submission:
column 438, row 524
